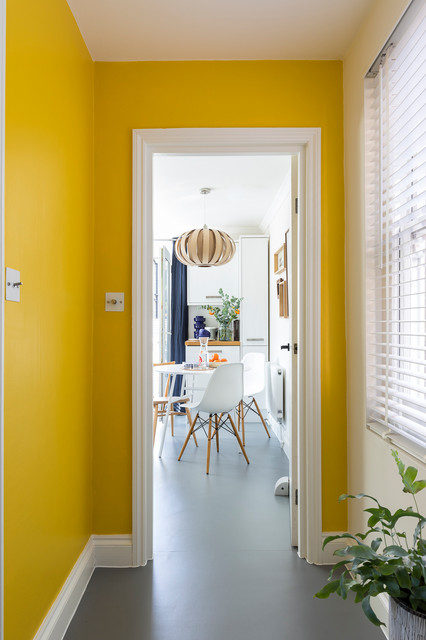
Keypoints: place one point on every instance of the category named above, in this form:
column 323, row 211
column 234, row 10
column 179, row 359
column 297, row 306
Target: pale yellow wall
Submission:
column 48, row 346
column 205, row 94
column 370, row 466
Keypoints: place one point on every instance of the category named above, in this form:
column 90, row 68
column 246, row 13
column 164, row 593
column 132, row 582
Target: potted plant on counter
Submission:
column 225, row 314
column 389, row 563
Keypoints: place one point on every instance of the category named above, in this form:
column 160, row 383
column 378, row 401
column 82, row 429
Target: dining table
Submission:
column 174, row 370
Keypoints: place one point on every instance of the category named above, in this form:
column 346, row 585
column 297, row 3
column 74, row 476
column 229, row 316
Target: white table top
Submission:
column 177, row 368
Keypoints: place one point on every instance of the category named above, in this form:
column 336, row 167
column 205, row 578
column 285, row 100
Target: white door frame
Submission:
column 2, row 125
column 306, row 142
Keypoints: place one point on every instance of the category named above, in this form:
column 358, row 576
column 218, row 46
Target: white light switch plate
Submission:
column 114, row 301
column 12, row 278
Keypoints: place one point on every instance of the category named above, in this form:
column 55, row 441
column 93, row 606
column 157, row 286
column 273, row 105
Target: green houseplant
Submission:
column 387, row 563
column 225, row 313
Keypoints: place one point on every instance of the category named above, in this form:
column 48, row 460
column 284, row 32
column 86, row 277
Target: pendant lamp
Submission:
column 204, row 247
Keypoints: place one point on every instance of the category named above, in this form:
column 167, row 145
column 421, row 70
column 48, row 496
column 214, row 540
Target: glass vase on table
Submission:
column 225, row 332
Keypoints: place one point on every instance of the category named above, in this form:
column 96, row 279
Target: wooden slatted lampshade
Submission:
column 204, row 247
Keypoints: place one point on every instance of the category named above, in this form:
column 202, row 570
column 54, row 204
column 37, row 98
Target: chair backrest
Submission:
column 159, row 364
column 224, row 389
column 254, row 373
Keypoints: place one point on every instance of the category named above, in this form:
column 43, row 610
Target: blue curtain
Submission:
column 179, row 313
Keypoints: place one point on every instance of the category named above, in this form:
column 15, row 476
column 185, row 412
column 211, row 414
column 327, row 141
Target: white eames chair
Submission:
column 254, row 383
column 223, row 393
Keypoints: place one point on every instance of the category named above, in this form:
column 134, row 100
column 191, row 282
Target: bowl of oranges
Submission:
column 215, row 361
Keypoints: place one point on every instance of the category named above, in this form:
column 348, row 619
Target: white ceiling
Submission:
column 243, row 190
column 220, row 30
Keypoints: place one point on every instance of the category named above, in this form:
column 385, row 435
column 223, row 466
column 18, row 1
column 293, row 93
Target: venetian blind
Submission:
column 396, row 235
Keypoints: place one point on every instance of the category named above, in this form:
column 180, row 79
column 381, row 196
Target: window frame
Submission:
column 388, row 306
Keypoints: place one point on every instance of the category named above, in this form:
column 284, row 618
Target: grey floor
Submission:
column 223, row 566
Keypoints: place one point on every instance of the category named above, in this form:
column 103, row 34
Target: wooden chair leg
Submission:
column 209, row 444
column 238, row 438
column 191, row 428
column 243, row 426
column 188, row 415
column 261, row 417
column 216, row 422
column 172, row 422
column 154, row 423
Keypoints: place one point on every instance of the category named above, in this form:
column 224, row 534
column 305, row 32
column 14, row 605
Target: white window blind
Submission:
column 396, row 235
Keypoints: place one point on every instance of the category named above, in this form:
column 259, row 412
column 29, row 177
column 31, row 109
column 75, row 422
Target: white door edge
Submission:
column 2, row 135
column 306, row 142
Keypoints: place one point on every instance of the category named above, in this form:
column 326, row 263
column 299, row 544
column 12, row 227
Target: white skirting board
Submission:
column 281, row 432
column 113, row 551
column 100, row 551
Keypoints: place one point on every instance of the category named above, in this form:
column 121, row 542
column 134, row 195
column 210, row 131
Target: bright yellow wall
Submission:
column 48, row 350
column 370, row 466
column 206, row 94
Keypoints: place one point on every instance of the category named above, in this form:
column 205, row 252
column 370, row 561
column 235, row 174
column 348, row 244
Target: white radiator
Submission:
column 275, row 403
column 275, row 391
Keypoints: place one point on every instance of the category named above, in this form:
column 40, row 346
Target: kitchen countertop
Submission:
column 213, row 343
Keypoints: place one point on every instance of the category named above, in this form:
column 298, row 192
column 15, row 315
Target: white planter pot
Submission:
column 404, row 623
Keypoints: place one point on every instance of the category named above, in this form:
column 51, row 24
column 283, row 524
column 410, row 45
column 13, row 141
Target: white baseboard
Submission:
column 281, row 432
column 113, row 551
column 61, row 612
column 100, row 551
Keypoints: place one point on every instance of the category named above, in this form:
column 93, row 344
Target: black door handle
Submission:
column 286, row 346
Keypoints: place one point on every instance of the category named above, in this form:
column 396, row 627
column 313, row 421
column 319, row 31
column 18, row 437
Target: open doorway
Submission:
column 306, row 144
column 253, row 198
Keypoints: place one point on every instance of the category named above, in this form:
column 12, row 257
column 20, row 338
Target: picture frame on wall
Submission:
column 280, row 260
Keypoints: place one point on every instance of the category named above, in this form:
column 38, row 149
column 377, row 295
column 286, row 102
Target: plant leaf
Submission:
column 340, row 536
column 328, row 589
column 392, row 586
column 410, row 475
column 344, row 496
column 403, row 578
column 387, row 569
column 404, row 513
column 362, row 551
column 399, row 463
column 419, row 592
column 336, row 567
column 399, row 552
column 342, row 587
column 366, row 607
column 376, row 543
column 418, row 529
column 418, row 485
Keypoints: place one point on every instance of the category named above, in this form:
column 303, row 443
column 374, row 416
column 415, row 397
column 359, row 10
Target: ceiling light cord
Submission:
column 205, row 192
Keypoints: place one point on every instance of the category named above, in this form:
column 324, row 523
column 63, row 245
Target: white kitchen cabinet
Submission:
column 254, row 279
column 204, row 282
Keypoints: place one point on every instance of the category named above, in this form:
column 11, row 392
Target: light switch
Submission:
column 114, row 301
column 13, row 285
